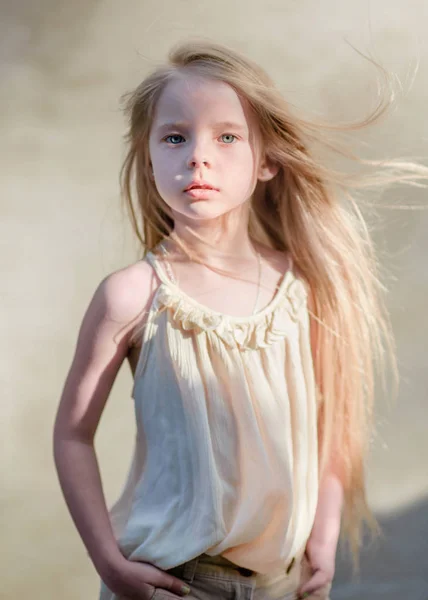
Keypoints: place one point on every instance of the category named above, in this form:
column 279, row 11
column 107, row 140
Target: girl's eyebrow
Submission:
column 230, row 125
column 164, row 127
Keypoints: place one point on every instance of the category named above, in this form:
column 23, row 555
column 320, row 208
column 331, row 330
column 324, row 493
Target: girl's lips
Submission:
column 200, row 192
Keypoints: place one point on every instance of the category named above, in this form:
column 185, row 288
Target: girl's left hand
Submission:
column 321, row 565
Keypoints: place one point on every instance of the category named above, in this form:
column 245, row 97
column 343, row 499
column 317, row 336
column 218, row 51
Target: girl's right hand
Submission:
column 132, row 580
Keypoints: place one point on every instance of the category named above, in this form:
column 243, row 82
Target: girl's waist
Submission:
column 278, row 584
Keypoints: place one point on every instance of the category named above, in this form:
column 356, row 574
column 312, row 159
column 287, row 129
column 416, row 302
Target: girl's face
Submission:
column 201, row 134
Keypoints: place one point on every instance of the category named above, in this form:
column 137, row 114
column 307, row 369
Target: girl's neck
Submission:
column 218, row 244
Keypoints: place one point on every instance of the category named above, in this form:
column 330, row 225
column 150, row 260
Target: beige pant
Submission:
column 216, row 578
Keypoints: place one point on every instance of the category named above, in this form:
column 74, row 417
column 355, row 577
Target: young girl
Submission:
column 251, row 327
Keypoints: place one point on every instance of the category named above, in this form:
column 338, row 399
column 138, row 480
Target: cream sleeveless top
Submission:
column 226, row 457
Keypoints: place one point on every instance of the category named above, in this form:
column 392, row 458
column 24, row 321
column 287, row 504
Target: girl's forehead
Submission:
column 191, row 97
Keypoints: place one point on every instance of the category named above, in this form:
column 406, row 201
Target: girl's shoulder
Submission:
column 128, row 293
column 281, row 261
column 276, row 261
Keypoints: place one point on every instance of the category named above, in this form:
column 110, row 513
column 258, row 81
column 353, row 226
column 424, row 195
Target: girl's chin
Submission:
column 202, row 210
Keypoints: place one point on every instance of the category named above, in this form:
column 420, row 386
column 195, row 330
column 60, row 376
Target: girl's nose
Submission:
column 198, row 157
column 195, row 163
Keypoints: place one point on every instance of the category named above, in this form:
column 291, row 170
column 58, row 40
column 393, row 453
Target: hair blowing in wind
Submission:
column 309, row 209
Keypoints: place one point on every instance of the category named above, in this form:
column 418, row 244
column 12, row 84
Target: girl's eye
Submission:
column 228, row 135
column 173, row 137
column 176, row 138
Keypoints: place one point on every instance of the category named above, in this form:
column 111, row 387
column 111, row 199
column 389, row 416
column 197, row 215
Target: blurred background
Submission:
column 63, row 69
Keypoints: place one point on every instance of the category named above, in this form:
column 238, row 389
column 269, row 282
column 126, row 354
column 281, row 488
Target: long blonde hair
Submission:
column 306, row 209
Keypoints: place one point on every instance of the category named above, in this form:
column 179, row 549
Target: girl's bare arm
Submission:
column 103, row 343
column 102, row 346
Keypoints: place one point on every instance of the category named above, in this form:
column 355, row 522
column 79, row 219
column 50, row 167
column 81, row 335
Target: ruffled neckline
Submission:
column 258, row 330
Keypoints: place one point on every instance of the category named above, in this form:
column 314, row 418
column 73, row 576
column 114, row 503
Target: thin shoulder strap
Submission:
column 157, row 267
column 291, row 267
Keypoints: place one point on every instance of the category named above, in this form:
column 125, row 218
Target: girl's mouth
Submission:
column 196, row 192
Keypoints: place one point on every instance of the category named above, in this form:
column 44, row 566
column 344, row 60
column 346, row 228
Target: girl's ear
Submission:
column 267, row 171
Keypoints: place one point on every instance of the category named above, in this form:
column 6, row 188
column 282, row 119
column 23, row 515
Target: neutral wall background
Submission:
column 63, row 68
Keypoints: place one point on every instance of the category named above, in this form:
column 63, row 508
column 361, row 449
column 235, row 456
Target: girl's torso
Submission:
column 225, row 458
